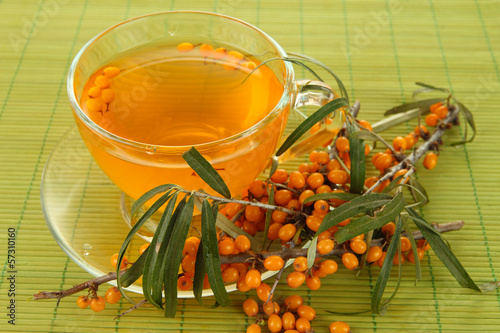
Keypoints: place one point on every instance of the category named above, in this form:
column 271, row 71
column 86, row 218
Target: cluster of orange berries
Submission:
column 98, row 303
column 296, row 317
column 101, row 94
column 231, row 60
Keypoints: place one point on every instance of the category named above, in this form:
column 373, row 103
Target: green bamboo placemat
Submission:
column 379, row 49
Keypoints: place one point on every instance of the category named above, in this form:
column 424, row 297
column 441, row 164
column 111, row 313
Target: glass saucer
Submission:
column 82, row 209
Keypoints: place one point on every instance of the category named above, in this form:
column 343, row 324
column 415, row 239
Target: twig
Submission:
column 417, row 154
column 285, row 253
column 132, row 308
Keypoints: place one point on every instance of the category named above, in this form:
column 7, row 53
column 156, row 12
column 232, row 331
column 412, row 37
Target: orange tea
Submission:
column 170, row 98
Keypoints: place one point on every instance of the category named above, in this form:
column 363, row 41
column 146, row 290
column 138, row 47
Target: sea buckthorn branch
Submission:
column 420, row 151
column 285, row 253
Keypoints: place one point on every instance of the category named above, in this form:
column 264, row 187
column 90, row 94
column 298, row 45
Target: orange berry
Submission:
column 263, row 291
column 249, row 227
column 323, row 189
column 250, row 307
column 219, row 53
column 421, row 129
column 304, row 195
column 411, row 140
column 279, row 217
column 297, row 180
column 287, row 232
column 206, row 50
column 230, row 275
column 143, row 248
column 242, row 243
column 94, row 92
column 226, row 246
column 321, row 206
column 422, row 243
column 328, row 266
column 430, row 161
column 374, row 253
column 302, row 325
column 253, row 278
column 293, row 302
column 83, row 302
column 322, row 158
column 254, row 328
column 365, row 124
column 185, row 47
column 380, row 261
column 274, row 323
column 280, row 176
column 333, row 165
column 399, row 144
column 293, row 204
column 367, row 149
column 405, row 244
column 399, row 173
column 295, row 279
column 111, row 72
column 188, row 263
column 307, row 312
column 313, row 222
column 184, row 283
column 435, row 106
column 313, row 282
column 342, row 144
column 339, row 327
column 94, row 105
column 441, row 112
column 325, row 246
column 312, row 156
column 233, row 208
column 389, row 229
column 315, row 180
column 325, row 235
column 304, row 167
column 383, row 161
column 102, row 81
column 350, row 261
column 107, row 95
column 258, row 188
column 344, row 223
column 358, row 246
column 337, row 176
column 282, row 197
column 97, row 304
column 271, row 307
column 431, row 120
column 411, row 257
column 300, row 264
column 395, row 260
column 242, row 285
column 273, row 231
column 288, row 320
column 274, row 263
column 114, row 261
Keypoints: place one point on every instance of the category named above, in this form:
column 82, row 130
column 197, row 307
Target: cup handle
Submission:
column 316, row 93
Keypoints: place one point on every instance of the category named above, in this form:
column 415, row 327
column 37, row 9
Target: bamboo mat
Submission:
column 379, row 49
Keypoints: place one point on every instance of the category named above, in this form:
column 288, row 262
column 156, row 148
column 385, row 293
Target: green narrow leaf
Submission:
column 364, row 135
column 152, row 285
column 431, row 87
column 418, row 185
column 173, row 257
column 134, row 272
column 358, row 165
column 332, row 195
column 274, row 166
column 149, row 194
column 385, row 272
column 470, row 120
column 156, row 205
column 321, row 113
column 358, row 205
column 368, row 241
column 269, row 213
column 418, row 272
column 311, row 252
column 425, row 103
column 367, row 223
column 199, row 277
column 443, row 252
column 206, row 171
column 211, row 254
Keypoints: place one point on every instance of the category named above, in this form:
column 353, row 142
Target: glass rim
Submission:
column 289, row 78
